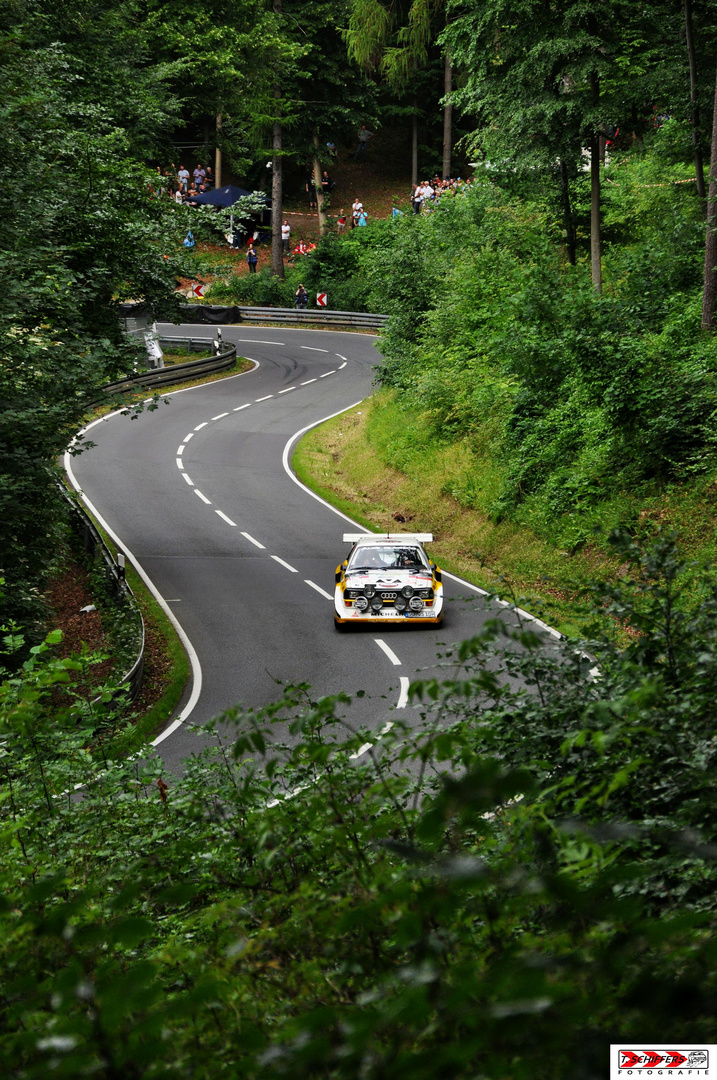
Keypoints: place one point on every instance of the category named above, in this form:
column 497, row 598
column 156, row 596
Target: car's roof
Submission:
column 380, row 539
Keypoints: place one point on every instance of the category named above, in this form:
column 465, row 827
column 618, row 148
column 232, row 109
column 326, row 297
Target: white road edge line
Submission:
column 202, row 497
column 227, row 519
column 186, row 477
column 255, row 341
column 318, row 589
column 286, row 564
column 389, row 652
column 286, row 462
column 253, row 541
column 191, row 652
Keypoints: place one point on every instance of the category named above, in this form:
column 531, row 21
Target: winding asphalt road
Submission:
column 199, row 494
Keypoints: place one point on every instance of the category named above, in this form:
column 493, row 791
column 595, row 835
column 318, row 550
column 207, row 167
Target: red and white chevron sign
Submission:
column 321, row 298
column 198, row 290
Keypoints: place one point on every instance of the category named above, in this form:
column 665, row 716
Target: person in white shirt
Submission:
column 285, row 235
column 356, row 208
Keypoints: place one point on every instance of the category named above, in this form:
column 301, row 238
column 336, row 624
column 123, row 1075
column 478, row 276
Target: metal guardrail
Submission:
column 320, row 315
column 115, row 582
column 193, row 369
column 238, row 313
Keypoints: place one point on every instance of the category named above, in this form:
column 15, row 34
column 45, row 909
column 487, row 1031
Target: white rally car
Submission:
column 387, row 576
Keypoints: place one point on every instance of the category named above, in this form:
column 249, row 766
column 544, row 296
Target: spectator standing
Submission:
column 198, row 175
column 417, row 198
column 251, row 258
column 209, row 178
column 363, row 137
column 362, row 217
column 356, row 208
column 311, row 191
column 183, row 177
column 341, row 221
column 285, row 236
column 302, row 298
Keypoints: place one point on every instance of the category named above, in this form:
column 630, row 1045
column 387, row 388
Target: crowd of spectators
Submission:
column 181, row 185
column 426, row 194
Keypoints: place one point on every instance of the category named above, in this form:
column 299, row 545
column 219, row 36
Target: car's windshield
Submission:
column 387, row 557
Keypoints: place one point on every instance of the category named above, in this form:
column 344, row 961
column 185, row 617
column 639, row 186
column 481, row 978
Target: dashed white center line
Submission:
column 180, row 463
column 310, row 349
column 286, row 564
column 389, row 652
column 240, row 407
column 403, row 696
column 200, row 426
column 342, row 357
column 326, row 373
column 190, row 482
column 318, row 589
column 341, row 368
column 189, row 436
column 308, row 381
column 180, row 450
column 225, row 518
column 220, row 416
column 202, row 497
column 264, row 398
column 287, row 390
column 253, row 541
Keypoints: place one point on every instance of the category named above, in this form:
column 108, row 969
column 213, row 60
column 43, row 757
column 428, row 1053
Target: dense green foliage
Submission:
column 81, row 232
column 523, row 880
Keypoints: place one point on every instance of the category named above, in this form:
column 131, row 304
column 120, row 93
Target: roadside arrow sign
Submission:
column 321, row 298
column 198, row 290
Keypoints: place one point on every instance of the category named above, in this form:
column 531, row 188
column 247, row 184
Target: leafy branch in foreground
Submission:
column 503, row 890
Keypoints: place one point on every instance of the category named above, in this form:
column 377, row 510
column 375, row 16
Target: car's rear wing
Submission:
column 421, row 538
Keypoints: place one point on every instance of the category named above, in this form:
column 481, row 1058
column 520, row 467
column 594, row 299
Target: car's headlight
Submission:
column 415, row 603
column 360, row 603
column 376, row 603
column 427, row 594
column 400, row 603
column 407, row 591
column 369, row 590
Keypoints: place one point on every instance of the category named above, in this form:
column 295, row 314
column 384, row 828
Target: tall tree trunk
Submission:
column 414, row 131
column 277, row 197
column 568, row 222
column 317, row 186
column 218, row 155
column 447, row 116
column 595, row 236
column 277, row 176
column 709, row 290
column 694, row 103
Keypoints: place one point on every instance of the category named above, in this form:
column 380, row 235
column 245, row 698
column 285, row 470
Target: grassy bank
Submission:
column 380, row 464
